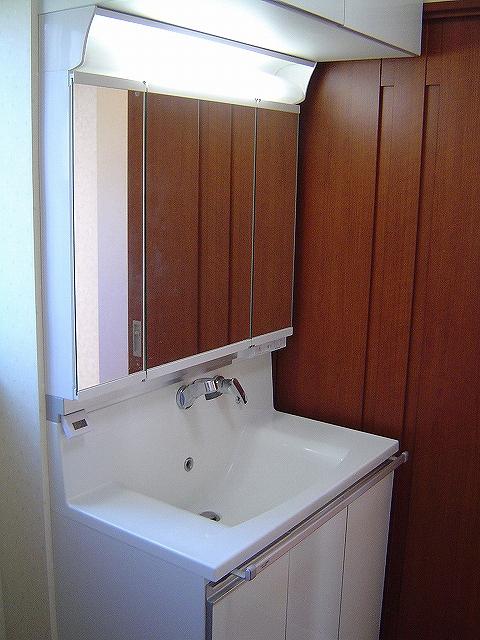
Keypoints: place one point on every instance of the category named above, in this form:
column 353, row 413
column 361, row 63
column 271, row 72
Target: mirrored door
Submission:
column 108, row 233
column 199, row 219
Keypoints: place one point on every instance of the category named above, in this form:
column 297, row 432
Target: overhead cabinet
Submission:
column 184, row 214
column 371, row 28
column 184, row 217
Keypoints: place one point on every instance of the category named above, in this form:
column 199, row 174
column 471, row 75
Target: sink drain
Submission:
column 188, row 464
column 211, row 515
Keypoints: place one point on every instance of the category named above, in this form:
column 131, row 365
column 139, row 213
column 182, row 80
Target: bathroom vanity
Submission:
column 168, row 215
column 300, row 543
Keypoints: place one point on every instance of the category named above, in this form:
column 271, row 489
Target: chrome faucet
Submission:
column 210, row 388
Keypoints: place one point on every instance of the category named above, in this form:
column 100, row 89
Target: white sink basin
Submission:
column 261, row 471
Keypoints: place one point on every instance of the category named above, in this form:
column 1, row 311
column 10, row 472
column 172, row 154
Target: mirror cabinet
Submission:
column 183, row 215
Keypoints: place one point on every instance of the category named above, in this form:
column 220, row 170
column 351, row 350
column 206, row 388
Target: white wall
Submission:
column 23, row 495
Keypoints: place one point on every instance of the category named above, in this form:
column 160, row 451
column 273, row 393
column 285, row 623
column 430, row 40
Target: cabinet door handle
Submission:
column 137, row 338
column 250, row 570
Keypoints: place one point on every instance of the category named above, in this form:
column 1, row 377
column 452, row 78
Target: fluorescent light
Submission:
column 183, row 62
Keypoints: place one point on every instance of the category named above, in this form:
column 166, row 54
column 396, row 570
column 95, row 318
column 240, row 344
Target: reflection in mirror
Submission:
column 108, row 155
column 199, row 212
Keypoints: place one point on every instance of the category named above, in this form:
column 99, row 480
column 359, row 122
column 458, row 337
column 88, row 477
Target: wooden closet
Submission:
column 387, row 301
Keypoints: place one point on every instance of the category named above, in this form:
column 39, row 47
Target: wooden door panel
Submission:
column 417, row 375
column 275, row 193
column 171, row 228
column 442, row 555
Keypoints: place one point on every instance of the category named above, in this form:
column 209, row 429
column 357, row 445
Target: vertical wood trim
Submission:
column 402, row 488
column 135, row 221
column 241, row 221
column 275, row 192
column 214, row 226
column 434, row 39
column 398, row 179
column 171, row 228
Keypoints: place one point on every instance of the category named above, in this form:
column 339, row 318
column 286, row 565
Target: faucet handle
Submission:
column 232, row 386
column 240, row 395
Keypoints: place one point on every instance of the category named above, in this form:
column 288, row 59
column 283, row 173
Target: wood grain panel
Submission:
column 396, row 210
column 275, row 194
column 214, row 240
column 321, row 372
column 441, row 583
column 402, row 488
column 171, row 228
column 135, row 220
column 241, row 221
column 436, row 582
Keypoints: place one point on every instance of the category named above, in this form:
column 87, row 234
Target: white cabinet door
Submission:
column 315, row 583
column 397, row 22
column 330, row 9
column 364, row 566
column 256, row 610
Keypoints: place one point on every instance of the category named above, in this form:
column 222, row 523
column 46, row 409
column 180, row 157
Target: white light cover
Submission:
column 186, row 63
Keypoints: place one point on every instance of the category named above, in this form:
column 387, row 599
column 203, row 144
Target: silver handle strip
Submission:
column 250, row 570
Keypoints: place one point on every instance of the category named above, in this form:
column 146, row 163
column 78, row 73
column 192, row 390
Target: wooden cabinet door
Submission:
column 256, row 609
column 315, row 583
column 364, row 565
column 275, row 196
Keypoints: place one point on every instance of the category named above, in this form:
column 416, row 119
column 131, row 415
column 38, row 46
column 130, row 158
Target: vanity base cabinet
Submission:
column 321, row 581
column 329, row 586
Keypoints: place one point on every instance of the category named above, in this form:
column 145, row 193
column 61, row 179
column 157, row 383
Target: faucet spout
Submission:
column 210, row 388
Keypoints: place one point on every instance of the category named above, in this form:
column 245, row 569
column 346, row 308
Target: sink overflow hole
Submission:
column 211, row 515
column 188, row 464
